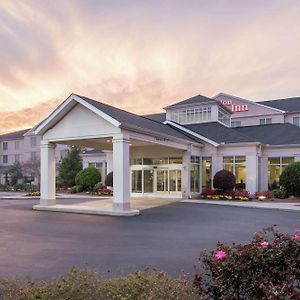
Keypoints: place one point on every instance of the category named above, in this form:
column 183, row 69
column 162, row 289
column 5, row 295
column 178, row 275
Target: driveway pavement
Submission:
column 46, row 244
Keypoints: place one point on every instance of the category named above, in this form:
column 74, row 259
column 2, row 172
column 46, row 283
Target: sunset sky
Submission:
column 143, row 55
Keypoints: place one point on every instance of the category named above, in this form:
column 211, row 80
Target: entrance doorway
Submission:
column 161, row 181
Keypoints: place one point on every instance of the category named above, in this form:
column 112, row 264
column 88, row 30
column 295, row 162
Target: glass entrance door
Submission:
column 161, row 180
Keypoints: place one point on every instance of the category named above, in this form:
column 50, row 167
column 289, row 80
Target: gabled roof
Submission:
column 118, row 117
column 287, row 104
column 199, row 99
column 160, row 117
column 219, row 133
column 17, row 135
column 273, row 134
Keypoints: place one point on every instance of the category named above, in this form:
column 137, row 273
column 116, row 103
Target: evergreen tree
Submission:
column 70, row 166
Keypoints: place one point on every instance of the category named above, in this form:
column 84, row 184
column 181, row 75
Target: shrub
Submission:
column 30, row 187
column 290, row 178
column 224, row 180
column 73, row 189
column 19, row 187
column 4, row 187
column 87, row 284
column 87, row 178
column 266, row 268
column 109, row 179
column 280, row 193
column 97, row 187
column 208, row 192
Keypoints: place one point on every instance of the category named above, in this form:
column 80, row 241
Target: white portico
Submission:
column 83, row 122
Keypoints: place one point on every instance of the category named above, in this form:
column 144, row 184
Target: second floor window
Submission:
column 33, row 141
column 5, row 146
column 17, row 145
column 5, row 159
column 17, row 157
column 265, row 121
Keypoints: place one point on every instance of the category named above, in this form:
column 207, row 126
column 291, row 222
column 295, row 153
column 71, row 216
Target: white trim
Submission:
column 249, row 101
column 192, row 133
column 68, row 102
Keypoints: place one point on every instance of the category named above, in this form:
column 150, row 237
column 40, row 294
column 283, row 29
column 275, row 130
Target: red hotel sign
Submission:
column 235, row 107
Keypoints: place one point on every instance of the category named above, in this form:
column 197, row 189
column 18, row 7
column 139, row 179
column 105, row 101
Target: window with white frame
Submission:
column 236, row 124
column 33, row 141
column 296, row 121
column 265, row 121
column 17, row 145
column 237, row 166
column 5, row 159
column 195, row 174
column 191, row 115
column 276, row 165
column 5, row 146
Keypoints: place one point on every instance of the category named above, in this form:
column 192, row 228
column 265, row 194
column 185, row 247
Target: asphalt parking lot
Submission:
column 43, row 245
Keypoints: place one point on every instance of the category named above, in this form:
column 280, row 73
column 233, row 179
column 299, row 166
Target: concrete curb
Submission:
column 80, row 209
column 275, row 206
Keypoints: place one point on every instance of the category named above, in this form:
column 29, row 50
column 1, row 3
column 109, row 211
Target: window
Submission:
column 96, row 165
column 206, row 172
column 191, row 115
column 33, row 141
column 33, row 156
column 5, row 159
column 5, row 146
column 296, row 121
column 265, row 121
column 224, row 116
column 195, row 174
column 136, row 181
column 237, row 166
column 17, row 157
column 276, row 165
column 236, row 124
column 63, row 153
column 17, row 145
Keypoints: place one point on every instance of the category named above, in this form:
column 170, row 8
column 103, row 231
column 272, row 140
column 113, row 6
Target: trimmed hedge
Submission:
column 224, row 180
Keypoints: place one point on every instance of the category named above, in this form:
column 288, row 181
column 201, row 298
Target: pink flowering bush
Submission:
column 267, row 194
column 266, row 268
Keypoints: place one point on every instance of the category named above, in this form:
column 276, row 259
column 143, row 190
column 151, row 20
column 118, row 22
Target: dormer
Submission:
column 198, row 109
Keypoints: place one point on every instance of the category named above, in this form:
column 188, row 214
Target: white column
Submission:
column 47, row 173
column 264, row 173
column 217, row 165
column 251, row 173
column 186, row 174
column 121, row 198
column 109, row 161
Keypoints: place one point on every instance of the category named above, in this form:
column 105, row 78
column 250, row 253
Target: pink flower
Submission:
column 220, row 255
column 264, row 244
column 296, row 237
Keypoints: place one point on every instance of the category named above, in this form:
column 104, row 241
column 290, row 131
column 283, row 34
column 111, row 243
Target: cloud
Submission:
column 144, row 55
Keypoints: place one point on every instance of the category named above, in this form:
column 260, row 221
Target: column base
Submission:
column 121, row 206
column 47, row 202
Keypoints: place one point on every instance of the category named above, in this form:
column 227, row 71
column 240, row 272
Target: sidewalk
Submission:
column 249, row 204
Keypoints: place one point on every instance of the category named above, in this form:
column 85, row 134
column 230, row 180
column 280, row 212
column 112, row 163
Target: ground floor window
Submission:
column 206, row 172
column 237, row 166
column 276, row 165
column 195, row 174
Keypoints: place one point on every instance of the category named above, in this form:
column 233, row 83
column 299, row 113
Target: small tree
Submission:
column 15, row 172
column 290, row 179
column 87, row 178
column 224, row 180
column 109, row 179
column 69, row 168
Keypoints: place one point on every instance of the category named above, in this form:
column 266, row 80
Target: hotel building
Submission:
column 170, row 154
